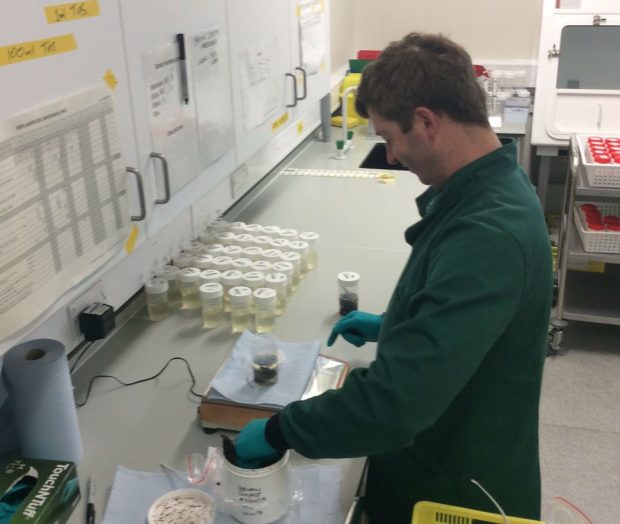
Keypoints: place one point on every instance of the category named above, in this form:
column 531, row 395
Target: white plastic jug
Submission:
column 257, row 496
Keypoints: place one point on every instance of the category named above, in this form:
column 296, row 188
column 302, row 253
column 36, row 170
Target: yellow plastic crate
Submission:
column 433, row 513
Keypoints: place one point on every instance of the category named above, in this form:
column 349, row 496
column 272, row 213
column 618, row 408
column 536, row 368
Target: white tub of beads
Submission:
column 182, row 506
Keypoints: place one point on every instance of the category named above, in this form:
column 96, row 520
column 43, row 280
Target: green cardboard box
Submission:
column 37, row 491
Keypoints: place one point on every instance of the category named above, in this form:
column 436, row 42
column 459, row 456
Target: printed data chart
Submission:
column 64, row 207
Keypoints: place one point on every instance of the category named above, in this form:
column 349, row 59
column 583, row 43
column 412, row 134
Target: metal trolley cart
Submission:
column 588, row 264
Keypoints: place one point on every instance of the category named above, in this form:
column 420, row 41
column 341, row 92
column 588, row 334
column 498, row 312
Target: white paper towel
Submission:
column 39, row 387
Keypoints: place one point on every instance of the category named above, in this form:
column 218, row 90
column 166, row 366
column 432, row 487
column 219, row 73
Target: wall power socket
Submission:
column 90, row 296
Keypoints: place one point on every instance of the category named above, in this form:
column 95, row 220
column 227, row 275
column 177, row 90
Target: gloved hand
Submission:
column 357, row 328
column 252, row 446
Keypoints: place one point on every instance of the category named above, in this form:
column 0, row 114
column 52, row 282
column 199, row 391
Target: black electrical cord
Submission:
column 79, row 357
column 125, row 384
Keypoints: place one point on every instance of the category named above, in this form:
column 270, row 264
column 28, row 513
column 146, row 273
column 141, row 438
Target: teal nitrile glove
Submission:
column 357, row 327
column 252, row 446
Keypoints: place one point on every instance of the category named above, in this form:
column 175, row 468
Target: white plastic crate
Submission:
column 598, row 241
column 599, row 175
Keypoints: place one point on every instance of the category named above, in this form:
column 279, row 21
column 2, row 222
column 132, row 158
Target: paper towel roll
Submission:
column 39, row 385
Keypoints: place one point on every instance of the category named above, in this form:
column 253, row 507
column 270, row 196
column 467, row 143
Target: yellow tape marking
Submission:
column 110, row 79
column 23, row 51
column 385, row 178
column 75, row 11
column 282, row 120
column 130, row 243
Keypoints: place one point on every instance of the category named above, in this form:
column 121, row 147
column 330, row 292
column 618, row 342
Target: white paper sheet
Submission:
column 312, row 35
column 173, row 122
column 63, row 202
column 259, row 87
column 211, row 88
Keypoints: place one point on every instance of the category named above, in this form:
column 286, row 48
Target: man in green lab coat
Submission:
column 454, row 391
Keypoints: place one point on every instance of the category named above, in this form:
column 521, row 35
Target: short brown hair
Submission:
column 422, row 70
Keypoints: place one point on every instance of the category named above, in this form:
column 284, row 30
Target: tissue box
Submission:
column 38, row 491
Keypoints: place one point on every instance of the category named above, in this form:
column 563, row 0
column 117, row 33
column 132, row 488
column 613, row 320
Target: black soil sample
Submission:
column 348, row 303
column 265, row 369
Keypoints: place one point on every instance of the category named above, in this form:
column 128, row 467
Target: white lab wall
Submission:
column 343, row 43
column 489, row 29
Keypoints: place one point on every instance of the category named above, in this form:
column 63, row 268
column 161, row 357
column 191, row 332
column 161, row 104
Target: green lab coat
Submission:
column 454, row 391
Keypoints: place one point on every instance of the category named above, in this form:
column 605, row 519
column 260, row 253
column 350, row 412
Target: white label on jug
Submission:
column 251, row 495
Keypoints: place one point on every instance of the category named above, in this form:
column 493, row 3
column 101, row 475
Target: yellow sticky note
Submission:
column 132, row 238
column 23, row 51
column 110, row 79
column 75, row 11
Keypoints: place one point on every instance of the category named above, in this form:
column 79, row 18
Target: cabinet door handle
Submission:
column 164, row 167
column 142, row 215
column 291, row 75
column 305, row 79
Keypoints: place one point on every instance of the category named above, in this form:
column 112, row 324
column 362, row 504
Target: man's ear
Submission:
column 428, row 120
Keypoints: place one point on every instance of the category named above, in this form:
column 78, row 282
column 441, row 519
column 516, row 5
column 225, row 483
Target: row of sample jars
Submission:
column 234, row 255
column 249, row 308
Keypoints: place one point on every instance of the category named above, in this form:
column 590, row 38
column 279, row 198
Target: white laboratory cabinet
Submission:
column 254, row 76
column 173, row 152
column 578, row 79
column 273, row 84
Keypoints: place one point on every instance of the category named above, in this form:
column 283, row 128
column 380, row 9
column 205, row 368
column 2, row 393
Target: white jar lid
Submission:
column 310, row 237
column 211, row 275
column 262, row 266
column 264, row 295
column 239, row 294
column 261, row 240
column 232, row 251
column 348, row 277
column 242, row 263
column 299, row 246
column 253, row 279
column 272, row 254
column 168, row 272
column 226, row 237
column 183, row 260
column 222, row 262
column 214, row 249
column 236, row 227
column 271, row 231
column 292, row 257
column 211, row 290
column 283, row 267
column 253, row 228
column 276, row 280
column 279, row 243
column 156, row 285
column 244, row 239
column 202, row 261
column 189, row 274
column 232, row 277
column 252, row 252
column 195, row 248
column 288, row 233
